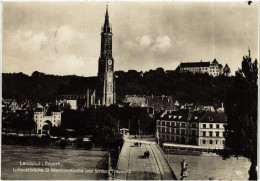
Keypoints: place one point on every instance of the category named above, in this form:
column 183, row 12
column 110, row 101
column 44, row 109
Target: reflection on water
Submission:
column 205, row 168
column 68, row 158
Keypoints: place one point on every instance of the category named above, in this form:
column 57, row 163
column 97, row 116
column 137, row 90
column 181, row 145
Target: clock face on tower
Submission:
column 109, row 62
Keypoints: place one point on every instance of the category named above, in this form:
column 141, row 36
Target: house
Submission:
column 186, row 126
column 11, row 104
column 212, row 130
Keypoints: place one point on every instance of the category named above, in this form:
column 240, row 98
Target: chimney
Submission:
column 152, row 95
column 222, row 105
column 168, row 100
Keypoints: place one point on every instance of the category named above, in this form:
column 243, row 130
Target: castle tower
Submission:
column 106, row 88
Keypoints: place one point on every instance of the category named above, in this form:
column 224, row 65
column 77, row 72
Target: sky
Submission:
column 63, row 38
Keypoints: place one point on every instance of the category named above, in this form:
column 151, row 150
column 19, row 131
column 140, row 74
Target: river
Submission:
column 199, row 167
column 55, row 163
column 206, row 167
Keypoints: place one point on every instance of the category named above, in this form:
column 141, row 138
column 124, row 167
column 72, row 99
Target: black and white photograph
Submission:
column 129, row 90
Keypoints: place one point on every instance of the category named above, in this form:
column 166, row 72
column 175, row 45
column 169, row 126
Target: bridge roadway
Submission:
column 133, row 166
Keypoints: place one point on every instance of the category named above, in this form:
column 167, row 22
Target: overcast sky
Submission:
column 63, row 38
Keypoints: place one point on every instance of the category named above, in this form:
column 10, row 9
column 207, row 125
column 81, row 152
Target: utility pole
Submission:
column 139, row 130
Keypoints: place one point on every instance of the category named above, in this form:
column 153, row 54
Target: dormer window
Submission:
column 196, row 117
column 169, row 116
column 180, row 117
column 210, row 119
column 174, row 117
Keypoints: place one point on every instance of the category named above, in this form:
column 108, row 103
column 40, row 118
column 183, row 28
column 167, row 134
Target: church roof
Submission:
column 78, row 86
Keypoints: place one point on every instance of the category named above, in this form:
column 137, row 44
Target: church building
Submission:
column 94, row 91
column 106, row 88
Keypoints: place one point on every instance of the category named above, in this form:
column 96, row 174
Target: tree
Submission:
column 241, row 111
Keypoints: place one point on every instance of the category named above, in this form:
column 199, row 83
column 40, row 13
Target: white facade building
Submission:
column 45, row 122
column 213, row 68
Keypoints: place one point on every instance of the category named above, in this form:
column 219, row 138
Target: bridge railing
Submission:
column 118, row 161
column 169, row 165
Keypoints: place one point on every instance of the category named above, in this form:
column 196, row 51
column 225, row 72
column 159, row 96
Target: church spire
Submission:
column 107, row 12
column 106, row 27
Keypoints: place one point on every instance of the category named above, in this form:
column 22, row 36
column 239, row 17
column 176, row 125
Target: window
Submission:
column 163, row 130
column 178, row 124
column 216, row 141
column 217, row 134
column 183, row 125
column 193, row 125
column 204, row 133
column 173, row 124
column 210, row 142
column 210, row 133
column 223, row 142
column 183, row 132
column 204, row 142
column 204, row 126
column 217, row 126
column 193, row 132
column 211, row 125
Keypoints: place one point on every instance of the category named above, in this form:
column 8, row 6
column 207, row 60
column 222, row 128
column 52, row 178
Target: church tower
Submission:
column 106, row 88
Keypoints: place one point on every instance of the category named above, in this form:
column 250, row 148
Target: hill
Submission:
column 185, row 87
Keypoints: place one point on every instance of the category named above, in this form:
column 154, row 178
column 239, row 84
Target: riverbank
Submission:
column 73, row 160
column 211, row 168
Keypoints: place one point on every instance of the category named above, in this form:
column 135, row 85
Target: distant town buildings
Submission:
column 156, row 102
column 213, row 68
column 186, row 126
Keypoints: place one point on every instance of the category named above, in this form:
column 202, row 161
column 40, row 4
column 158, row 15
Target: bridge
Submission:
column 133, row 166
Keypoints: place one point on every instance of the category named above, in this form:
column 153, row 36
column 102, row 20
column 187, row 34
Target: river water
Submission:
column 206, row 167
column 199, row 167
column 54, row 163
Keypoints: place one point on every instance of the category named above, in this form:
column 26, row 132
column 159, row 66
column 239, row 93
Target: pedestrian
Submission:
column 140, row 144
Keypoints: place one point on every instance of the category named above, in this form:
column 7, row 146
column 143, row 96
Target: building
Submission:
column 158, row 103
column 98, row 90
column 136, row 100
column 106, row 85
column 185, row 126
column 44, row 121
column 211, row 130
column 10, row 104
column 213, row 68
column 77, row 101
